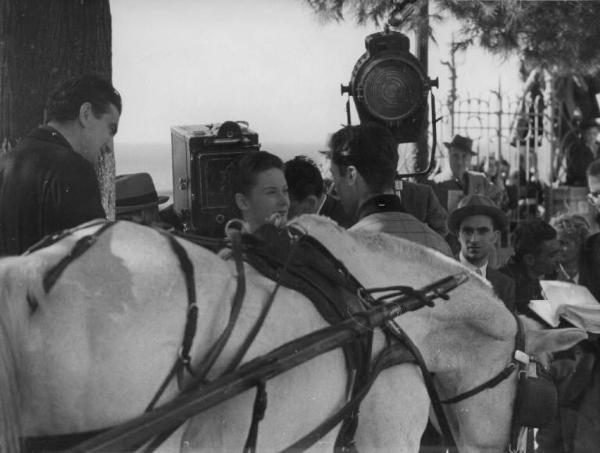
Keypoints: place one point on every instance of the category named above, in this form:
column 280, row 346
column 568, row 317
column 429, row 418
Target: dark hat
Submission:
column 476, row 205
column 460, row 142
column 136, row 191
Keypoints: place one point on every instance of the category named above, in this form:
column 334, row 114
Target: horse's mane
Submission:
column 484, row 310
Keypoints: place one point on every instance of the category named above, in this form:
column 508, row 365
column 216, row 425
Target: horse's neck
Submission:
column 473, row 313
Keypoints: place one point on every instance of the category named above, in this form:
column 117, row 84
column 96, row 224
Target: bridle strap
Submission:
column 493, row 382
column 504, row 374
column 200, row 375
column 394, row 329
column 518, row 360
column 392, row 355
column 189, row 332
column 80, row 247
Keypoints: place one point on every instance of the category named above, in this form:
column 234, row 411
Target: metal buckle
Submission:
column 521, row 357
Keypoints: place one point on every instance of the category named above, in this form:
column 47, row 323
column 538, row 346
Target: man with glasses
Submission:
column 593, row 182
column 363, row 162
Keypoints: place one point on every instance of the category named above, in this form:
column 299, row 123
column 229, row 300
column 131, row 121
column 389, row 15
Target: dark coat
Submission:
column 417, row 199
column 45, row 187
column 421, row 201
column 526, row 288
column 503, row 285
column 332, row 208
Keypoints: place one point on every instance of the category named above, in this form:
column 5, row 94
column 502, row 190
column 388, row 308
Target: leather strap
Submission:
column 390, row 356
column 80, row 247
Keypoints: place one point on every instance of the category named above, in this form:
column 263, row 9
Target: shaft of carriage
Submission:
column 136, row 432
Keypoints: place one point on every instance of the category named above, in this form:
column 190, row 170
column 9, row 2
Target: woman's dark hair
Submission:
column 246, row 169
column 589, row 265
column 66, row 100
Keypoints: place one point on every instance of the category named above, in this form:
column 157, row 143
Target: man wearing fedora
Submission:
column 457, row 181
column 478, row 223
column 137, row 199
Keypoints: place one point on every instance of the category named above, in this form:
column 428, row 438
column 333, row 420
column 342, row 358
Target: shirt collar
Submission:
column 380, row 203
column 468, row 265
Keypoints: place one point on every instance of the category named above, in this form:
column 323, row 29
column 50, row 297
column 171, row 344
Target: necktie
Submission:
column 478, row 271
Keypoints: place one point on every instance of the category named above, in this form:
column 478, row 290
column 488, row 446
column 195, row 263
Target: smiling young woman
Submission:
column 260, row 190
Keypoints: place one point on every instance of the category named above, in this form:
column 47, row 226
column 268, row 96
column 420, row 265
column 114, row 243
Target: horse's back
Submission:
column 102, row 339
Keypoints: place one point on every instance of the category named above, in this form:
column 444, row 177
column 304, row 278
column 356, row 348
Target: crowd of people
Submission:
column 48, row 184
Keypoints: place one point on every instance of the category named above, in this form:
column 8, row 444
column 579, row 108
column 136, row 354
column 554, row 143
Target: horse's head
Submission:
column 465, row 341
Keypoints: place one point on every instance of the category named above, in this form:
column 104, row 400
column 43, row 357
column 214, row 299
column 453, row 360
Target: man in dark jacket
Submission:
column 478, row 223
column 537, row 253
column 364, row 160
column 48, row 182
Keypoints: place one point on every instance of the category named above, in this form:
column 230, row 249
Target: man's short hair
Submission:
column 529, row 237
column 372, row 149
column 303, row 178
column 66, row 100
column 245, row 170
column 593, row 169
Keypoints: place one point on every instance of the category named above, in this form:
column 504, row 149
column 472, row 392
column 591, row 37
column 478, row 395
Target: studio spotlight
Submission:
column 390, row 87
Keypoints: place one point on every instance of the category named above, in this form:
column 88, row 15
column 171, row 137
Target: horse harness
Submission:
column 320, row 276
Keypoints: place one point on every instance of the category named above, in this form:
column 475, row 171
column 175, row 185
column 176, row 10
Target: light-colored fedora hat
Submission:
column 476, row 205
column 136, row 191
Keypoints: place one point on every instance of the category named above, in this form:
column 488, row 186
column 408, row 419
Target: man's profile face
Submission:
column 99, row 132
column 546, row 261
column 459, row 161
column 344, row 190
column 594, row 187
column 477, row 237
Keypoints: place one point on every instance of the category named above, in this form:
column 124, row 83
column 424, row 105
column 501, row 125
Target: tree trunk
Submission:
column 43, row 43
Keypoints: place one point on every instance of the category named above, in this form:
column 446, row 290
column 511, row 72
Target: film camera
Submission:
column 202, row 155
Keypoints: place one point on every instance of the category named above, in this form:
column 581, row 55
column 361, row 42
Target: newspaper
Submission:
column 571, row 302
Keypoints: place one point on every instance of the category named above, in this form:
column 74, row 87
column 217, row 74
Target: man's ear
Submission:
column 351, row 175
column 496, row 236
column 312, row 203
column 241, row 202
column 85, row 112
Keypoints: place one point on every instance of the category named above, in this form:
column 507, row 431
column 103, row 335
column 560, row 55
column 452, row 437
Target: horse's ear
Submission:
column 553, row 340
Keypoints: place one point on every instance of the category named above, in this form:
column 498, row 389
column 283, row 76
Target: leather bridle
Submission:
column 519, row 362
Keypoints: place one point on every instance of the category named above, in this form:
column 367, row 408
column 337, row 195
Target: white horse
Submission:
column 91, row 352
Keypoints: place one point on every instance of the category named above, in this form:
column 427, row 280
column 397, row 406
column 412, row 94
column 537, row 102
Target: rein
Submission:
column 405, row 352
column 519, row 362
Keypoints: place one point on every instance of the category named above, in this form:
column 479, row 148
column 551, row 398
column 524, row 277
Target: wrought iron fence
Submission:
column 502, row 126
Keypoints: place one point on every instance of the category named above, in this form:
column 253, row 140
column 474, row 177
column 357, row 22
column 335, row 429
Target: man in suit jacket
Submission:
column 457, row 181
column 421, row 201
column 417, row 199
column 478, row 223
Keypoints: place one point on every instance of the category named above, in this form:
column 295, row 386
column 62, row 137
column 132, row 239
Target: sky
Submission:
column 272, row 63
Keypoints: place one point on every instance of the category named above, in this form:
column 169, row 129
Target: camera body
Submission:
column 202, row 155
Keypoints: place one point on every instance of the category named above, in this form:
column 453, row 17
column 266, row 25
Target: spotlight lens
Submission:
column 393, row 90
